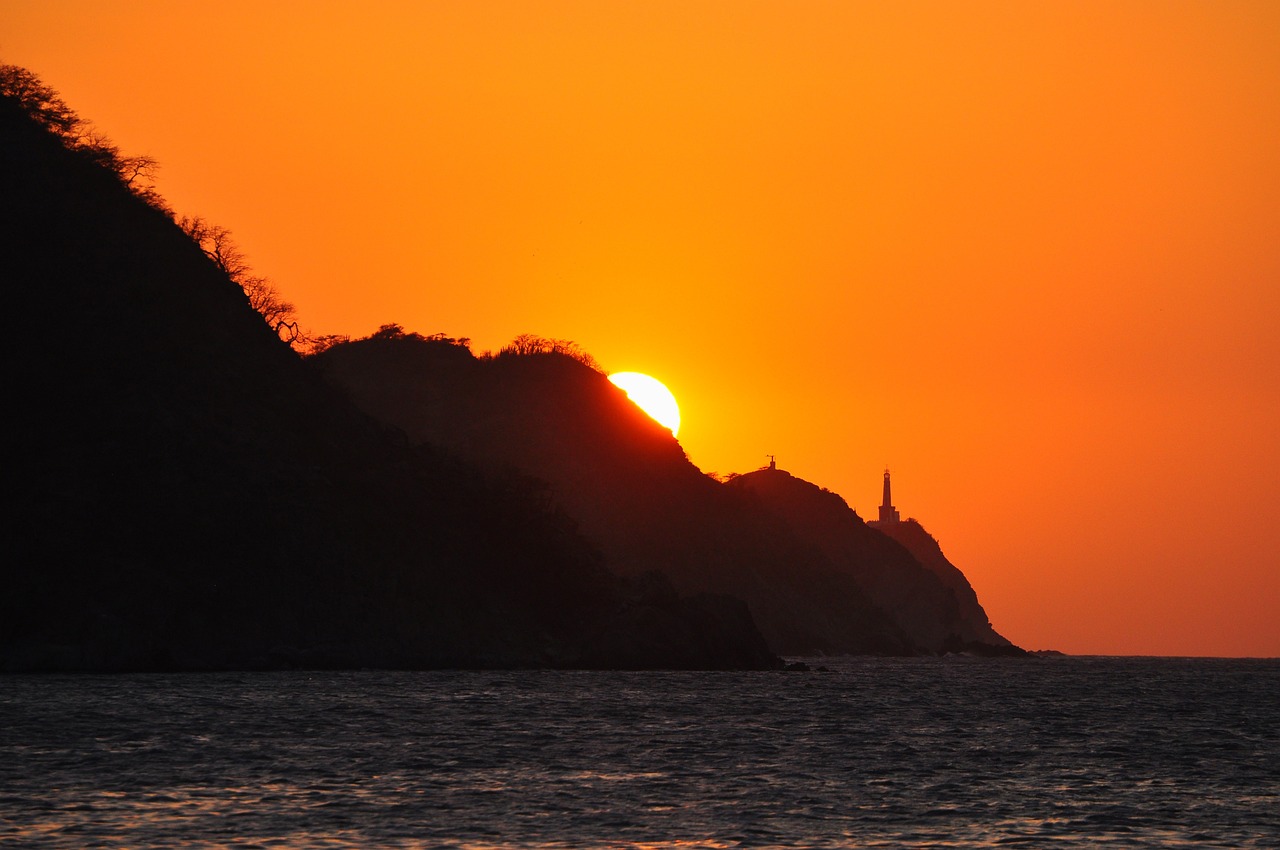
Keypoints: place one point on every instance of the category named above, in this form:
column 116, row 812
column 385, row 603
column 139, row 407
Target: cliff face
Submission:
column 816, row 579
column 925, row 549
column 933, row 603
column 186, row 493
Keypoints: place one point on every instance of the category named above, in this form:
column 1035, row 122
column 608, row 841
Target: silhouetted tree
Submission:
column 47, row 108
column 389, row 331
column 463, row 341
column 322, row 343
column 531, row 344
column 39, row 101
column 218, row 246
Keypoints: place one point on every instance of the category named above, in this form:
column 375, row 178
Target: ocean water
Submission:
column 952, row 752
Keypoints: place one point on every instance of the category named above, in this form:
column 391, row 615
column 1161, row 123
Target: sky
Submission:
column 1026, row 255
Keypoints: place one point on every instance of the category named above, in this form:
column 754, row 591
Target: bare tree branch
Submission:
column 218, row 246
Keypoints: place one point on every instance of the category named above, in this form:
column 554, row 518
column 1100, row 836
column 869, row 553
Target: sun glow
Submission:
column 651, row 396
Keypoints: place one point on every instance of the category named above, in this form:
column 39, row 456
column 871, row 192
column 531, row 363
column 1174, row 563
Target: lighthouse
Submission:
column 888, row 513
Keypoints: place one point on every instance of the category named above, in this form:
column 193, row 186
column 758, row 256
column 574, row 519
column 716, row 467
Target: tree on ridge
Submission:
column 217, row 244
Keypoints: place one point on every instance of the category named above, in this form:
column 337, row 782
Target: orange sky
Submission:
column 1027, row 254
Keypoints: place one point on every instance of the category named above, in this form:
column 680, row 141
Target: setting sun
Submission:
column 651, row 396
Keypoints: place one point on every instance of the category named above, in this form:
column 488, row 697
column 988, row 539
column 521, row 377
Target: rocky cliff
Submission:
column 926, row 550
column 932, row 602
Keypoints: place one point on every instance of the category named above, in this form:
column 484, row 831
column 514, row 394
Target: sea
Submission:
column 926, row 752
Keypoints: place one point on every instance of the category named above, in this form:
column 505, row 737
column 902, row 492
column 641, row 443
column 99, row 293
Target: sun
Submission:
column 650, row 396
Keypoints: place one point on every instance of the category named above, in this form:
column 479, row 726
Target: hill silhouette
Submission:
column 185, row 492
column 926, row 550
column 929, row 599
column 639, row 499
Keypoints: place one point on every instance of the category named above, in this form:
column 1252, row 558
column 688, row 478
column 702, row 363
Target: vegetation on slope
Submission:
column 188, row 494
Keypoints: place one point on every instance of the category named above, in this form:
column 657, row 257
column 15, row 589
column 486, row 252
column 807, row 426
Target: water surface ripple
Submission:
column 955, row 752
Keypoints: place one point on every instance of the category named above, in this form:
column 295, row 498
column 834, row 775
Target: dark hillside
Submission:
column 622, row 476
column 924, row 548
column 186, row 493
column 940, row 614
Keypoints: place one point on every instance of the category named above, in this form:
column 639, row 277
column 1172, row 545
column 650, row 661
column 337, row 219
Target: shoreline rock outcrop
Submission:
column 932, row 603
